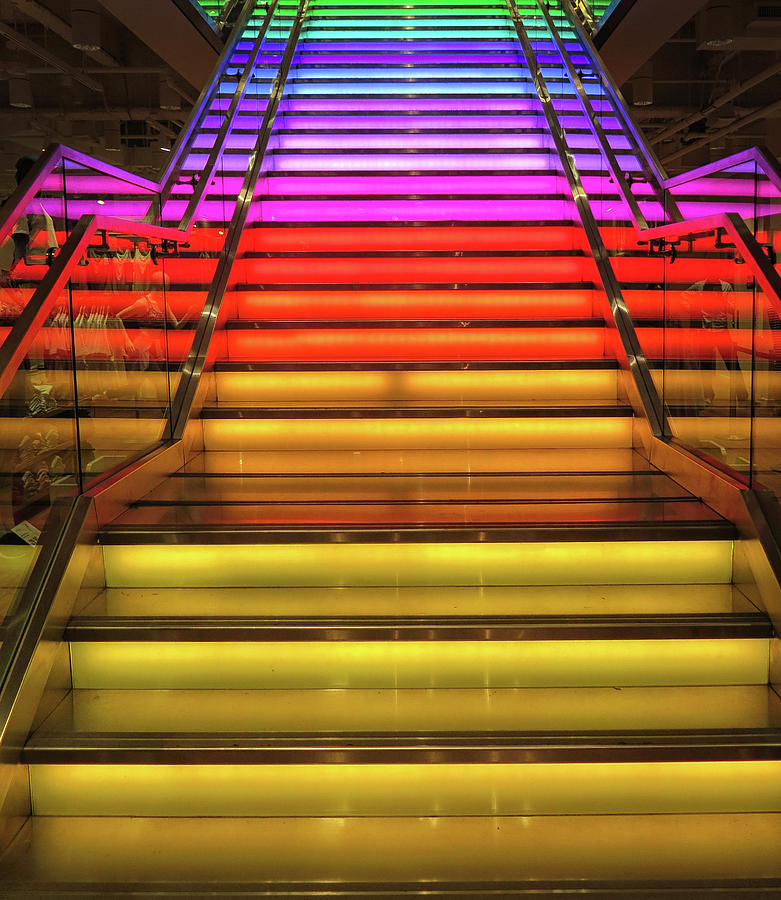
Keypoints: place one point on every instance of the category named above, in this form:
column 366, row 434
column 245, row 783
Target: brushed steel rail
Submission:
column 652, row 167
column 220, row 142
column 617, row 175
column 202, row 342
column 637, row 364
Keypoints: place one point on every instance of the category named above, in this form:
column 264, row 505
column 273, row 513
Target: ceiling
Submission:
column 142, row 81
column 149, row 70
column 707, row 101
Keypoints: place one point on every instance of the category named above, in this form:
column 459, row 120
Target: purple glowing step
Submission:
column 433, row 161
column 491, row 209
column 282, row 184
column 245, row 139
column 416, row 184
column 447, row 140
column 410, row 104
column 457, row 120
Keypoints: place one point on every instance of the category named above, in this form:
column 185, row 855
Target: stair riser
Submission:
column 410, row 434
column 328, row 665
column 411, row 790
column 440, row 564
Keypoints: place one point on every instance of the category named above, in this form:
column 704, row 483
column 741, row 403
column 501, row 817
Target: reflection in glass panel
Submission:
column 37, row 448
column 29, row 248
column 709, row 300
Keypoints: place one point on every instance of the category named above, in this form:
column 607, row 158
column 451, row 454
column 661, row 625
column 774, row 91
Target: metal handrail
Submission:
column 638, row 365
column 202, row 344
column 619, row 181
column 56, row 153
column 218, row 149
column 759, row 155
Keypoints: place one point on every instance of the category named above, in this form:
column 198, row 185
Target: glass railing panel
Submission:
column 732, row 189
column 90, row 192
column 38, row 449
column 706, row 349
column 135, row 309
column 766, row 399
column 33, row 238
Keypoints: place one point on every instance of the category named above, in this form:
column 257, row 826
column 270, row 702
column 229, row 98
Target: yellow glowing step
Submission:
column 107, row 852
column 423, row 564
column 418, row 664
column 555, row 710
column 406, row 790
column 417, row 433
column 456, row 600
column 580, row 459
column 410, row 385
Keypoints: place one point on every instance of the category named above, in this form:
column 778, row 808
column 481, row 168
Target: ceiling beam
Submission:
column 189, row 46
column 35, row 50
column 627, row 44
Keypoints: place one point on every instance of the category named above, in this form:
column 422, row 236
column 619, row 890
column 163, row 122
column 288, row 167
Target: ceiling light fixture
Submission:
column 85, row 24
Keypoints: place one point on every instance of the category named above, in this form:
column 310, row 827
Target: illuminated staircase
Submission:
column 419, row 618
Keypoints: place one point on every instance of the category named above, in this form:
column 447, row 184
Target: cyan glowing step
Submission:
column 415, row 789
column 422, row 563
column 416, row 386
column 351, row 603
column 495, row 854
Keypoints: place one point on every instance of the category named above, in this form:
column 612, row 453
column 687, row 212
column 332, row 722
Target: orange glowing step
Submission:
column 270, row 238
column 467, row 304
column 414, row 344
column 481, row 269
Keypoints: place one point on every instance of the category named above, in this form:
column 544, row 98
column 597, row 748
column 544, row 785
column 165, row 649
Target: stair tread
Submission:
column 295, row 533
column 539, row 627
column 186, row 487
column 227, row 409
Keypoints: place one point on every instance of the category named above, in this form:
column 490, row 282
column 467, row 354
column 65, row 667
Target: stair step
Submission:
column 407, row 789
column 519, row 856
column 289, row 461
column 346, row 602
column 584, row 381
column 364, row 628
column 417, row 748
column 227, row 488
column 584, row 713
column 412, row 409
